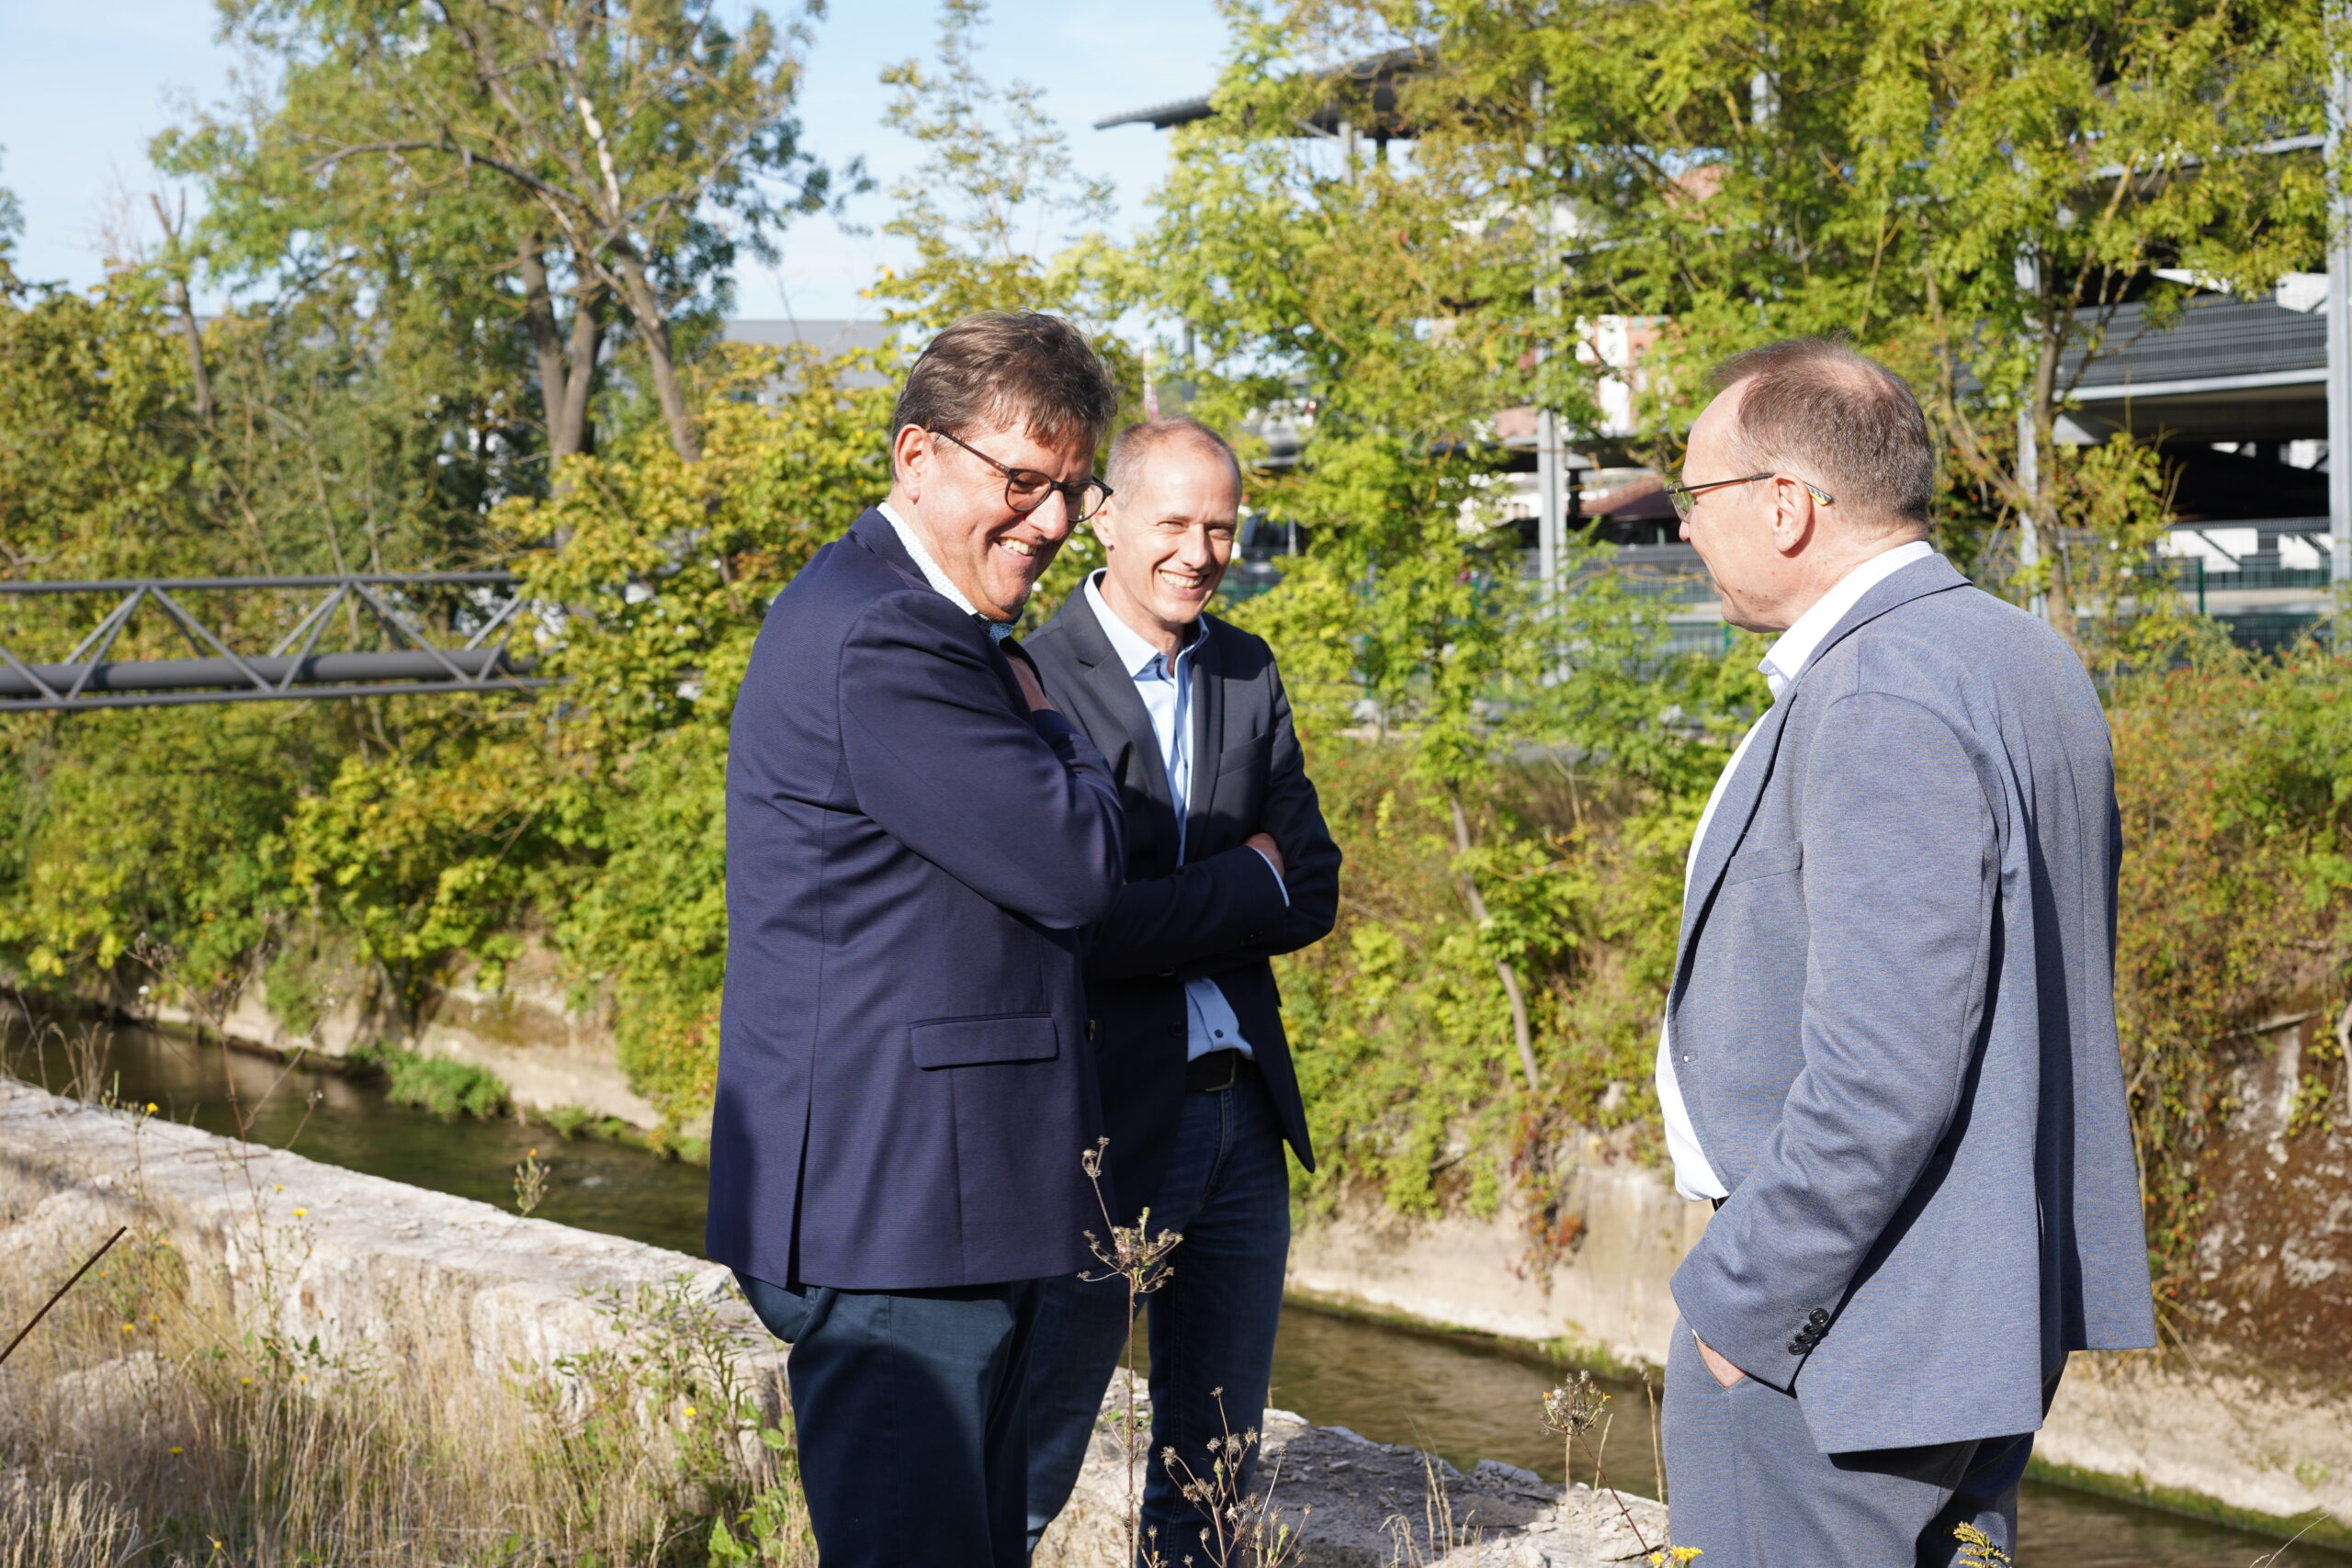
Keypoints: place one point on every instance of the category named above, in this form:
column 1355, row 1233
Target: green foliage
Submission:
column 667, row 569
column 994, row 194
column 2236, row 781
column 449, row 1089
column 442, row 152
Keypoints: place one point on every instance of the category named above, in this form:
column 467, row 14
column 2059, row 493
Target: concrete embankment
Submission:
column 315, row 1253
column 2245, row 1416
column 549, row 1055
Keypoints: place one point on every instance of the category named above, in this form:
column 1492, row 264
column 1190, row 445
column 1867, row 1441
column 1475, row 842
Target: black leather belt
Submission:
column 1213, row 1071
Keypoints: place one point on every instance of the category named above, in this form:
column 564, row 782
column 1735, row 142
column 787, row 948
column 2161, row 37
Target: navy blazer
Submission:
column 904, row 1091
column 1219, row 913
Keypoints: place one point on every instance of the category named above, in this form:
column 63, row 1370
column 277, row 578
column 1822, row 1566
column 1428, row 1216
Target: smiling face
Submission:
column 992, row 554
column 1168, row 537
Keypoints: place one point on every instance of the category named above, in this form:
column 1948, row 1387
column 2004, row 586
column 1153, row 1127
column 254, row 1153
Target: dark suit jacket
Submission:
column 1219, row 914
column 904, row 1089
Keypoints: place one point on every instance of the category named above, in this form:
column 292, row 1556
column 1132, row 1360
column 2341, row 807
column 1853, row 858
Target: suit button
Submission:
column 1175, row 1031
column 1795, row 1348
column 1817, row 1317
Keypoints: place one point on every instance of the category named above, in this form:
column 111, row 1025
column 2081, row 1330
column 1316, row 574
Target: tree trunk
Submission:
column 1521, row 1035
column 565, row 374
column 2058, row 602
column 175, row 291
column 654, row 327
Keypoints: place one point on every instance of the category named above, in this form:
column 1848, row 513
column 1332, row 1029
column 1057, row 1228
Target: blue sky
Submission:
column 83, row 84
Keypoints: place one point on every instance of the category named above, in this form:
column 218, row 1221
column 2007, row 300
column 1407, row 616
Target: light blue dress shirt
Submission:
column 1167, row 696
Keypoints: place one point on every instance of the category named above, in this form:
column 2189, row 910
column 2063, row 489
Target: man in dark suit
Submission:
column 1228, row 862
column 915, row 840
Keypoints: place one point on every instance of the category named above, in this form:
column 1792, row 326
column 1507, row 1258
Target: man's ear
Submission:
column 910, row 454
column 1794, row 515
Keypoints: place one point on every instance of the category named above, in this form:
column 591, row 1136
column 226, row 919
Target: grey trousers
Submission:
column 1749, row 1488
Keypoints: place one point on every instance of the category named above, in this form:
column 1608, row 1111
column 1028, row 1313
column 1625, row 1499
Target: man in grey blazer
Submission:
column 1889, row 1051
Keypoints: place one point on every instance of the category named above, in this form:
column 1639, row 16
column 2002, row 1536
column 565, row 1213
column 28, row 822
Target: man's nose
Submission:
column 1051, row 517
column 1195, row 551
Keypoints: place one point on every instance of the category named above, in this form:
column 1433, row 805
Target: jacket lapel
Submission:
column 1746, row 790
column 1208, row 735
column 1114, row 689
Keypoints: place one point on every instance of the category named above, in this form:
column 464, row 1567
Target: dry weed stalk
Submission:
column 1240, row 1530
column 1571, row 1411
column 147, row 1422
column 1135, row 1255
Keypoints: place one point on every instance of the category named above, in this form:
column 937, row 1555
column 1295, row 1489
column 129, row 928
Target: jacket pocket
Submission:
column 1763, row 860
column 977, row 1041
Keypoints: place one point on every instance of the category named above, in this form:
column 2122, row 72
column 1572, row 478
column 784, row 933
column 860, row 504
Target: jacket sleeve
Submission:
column 1901, row 869
column 1230, row 909
column 1019, row 806
column 1294, row 818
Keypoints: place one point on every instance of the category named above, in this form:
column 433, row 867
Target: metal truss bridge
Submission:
column 294, row 668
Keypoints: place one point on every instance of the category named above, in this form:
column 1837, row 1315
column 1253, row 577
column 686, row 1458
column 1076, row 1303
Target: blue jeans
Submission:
column 908, row 1409
column 1226, row 1189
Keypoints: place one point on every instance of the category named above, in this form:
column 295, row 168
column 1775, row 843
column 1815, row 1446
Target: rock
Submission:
column 1354, row 1502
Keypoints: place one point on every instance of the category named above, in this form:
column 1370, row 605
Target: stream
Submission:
column 1463, row 1398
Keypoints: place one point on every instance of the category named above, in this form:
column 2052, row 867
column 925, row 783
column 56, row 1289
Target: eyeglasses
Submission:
column 1685, row 497
column 1025, row 489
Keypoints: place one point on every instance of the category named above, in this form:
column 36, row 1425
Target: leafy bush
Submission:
column 449, row 1089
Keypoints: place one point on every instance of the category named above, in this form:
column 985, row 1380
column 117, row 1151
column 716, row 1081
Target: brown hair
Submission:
column 1140, row 441
column 1848, row 420
column 1007, row 368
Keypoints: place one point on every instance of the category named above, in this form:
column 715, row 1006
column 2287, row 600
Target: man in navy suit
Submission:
column 1228, row 863
column 915, row 840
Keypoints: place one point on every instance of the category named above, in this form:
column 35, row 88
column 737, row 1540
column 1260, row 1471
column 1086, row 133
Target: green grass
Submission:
column 450, row 1089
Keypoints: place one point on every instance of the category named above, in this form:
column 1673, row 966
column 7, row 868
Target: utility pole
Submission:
column 2028, row 276
column 2339, row 310
column 1551, row 496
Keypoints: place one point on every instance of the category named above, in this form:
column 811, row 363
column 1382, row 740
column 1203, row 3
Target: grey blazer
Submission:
column 1893, row 1022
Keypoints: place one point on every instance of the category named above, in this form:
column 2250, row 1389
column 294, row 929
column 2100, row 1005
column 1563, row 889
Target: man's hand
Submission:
column 1725, row 1372
column 1264, row 845
column 1027, row 676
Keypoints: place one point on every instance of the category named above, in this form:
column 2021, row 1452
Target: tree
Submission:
column 12, row 221
column 994, row 207
column 613, row 157
column 1970, row 193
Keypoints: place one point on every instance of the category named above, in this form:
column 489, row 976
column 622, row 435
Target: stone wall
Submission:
column 310, row 1251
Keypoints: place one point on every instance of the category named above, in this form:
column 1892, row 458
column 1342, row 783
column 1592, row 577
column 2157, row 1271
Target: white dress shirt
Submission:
column 1167, row 694
column 998, row 630
column 1782, row 662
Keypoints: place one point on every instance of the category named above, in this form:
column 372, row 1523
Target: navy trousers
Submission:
column 1747, row 1487
column 909, row 1412
column 1226, row 1189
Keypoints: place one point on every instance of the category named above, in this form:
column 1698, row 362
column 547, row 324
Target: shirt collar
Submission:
column 998, row 630
column 1786, row 658
column 1136, row 656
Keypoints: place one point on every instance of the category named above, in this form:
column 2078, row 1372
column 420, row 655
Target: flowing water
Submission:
column 1464, row 1399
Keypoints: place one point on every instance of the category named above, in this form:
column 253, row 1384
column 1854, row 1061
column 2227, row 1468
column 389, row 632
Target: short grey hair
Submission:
column 1138, row 442
column 1845, row 420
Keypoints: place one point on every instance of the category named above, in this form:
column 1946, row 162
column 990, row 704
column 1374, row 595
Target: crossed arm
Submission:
column 1226, row 910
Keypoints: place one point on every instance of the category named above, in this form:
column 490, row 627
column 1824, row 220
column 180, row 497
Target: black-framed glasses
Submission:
column 1687, row 496
column 1025, row 489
